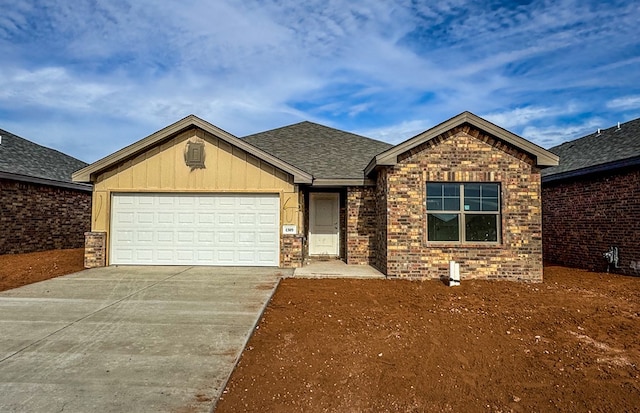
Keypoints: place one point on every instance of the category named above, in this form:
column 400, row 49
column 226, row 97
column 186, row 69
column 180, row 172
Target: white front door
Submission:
column 324, row 224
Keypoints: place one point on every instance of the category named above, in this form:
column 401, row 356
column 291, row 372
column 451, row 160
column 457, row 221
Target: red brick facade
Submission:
column 36, row 217
column 585, row 216
column 463, row 154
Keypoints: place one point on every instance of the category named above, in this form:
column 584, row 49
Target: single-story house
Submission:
column 591, row 201
column 193, row 194
column 41, row 208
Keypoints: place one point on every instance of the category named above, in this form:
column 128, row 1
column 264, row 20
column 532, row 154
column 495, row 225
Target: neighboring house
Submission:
column 591, row 201
column 193, row 194
column 41, row 208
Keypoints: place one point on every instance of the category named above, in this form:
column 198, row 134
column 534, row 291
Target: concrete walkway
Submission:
column 127, row 339
column 336, row 269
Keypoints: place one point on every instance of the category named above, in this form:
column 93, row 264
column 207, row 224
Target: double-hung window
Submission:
column 463, row 212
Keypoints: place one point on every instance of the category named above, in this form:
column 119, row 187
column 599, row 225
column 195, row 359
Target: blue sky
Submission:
column 89, row 77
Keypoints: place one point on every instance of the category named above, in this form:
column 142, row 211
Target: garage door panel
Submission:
column 144, row 236
column 164, row 236
column 166, row 218
column 186, row 237
column 225, row 219
column 206, row 218
column 206, row 238
column 144, row 255
column 195, row 229
column 247, row 219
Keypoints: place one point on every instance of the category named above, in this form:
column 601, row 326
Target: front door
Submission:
column 324, row 224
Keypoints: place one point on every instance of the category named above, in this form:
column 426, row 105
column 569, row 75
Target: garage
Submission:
column 195, row 229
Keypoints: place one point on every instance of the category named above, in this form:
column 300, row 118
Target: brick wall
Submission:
column 361, row 225
column 583, row 217
column 291, row 251
column 380, row 241
column 37, row 217
column 464, row 154
column 95, row 249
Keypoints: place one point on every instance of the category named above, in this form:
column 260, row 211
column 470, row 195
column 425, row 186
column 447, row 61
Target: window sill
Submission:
column 492, row 246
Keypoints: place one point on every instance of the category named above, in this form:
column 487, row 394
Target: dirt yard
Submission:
column 570, row 344
column 17, row 270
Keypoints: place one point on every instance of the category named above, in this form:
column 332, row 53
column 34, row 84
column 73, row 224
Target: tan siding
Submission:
column 227, row 169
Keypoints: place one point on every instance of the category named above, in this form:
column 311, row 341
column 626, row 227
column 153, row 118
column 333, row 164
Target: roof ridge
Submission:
column 596, row 134
column 320, row 125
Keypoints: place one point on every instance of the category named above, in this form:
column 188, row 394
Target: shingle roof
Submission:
column 22, row 157
column 324, row 152
column 609, row 148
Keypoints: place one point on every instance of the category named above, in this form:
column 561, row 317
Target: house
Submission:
column 193, row 194
column 591, row 201
column 41, row 208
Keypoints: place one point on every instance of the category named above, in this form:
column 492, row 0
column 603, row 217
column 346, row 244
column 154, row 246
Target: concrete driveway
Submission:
column 127, row 339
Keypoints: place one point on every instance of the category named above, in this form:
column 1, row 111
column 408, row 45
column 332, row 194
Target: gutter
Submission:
column 48, row 182
column 606, row 167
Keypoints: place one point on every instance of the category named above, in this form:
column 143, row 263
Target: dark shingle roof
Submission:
column 324, row 152
column 610, row 148
column 22, row 157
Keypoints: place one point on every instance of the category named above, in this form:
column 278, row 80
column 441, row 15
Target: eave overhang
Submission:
column 390, row 157
column 89, row 173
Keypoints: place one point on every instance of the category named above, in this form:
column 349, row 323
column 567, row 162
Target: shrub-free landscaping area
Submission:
column 571, row 343
column 17, row 270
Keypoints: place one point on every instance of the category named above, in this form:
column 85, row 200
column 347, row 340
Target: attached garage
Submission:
column 193, row 194
column 195, row 229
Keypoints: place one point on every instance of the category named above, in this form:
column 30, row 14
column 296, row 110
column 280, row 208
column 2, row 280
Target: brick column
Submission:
column 291, row 251
column 95, row 249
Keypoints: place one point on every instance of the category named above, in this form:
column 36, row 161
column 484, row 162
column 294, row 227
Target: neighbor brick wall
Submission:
column 36, row 217
column 361, row 225
column 291, row 251
column 465, row 154
column 584, row 216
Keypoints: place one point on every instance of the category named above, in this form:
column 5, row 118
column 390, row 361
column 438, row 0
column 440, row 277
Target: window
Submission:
column 469, row 212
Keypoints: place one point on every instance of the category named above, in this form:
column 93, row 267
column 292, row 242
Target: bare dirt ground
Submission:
column 570, row 344
column 17, row 270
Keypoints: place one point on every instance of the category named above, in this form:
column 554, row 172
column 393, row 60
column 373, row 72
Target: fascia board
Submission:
column 390, row 157
column 320, row 182
column 49, row 182
column 88, row 173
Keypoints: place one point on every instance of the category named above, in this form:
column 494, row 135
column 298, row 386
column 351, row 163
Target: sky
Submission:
column 88, row 77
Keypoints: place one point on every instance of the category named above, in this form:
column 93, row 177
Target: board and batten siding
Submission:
column 163, row 169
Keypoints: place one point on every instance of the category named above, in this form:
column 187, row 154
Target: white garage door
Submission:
column 195, row 229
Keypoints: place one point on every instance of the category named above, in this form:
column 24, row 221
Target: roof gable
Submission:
column 599, row 151
column 390, row 156
column 89, row 173
column 24, row 160
column 326, row 153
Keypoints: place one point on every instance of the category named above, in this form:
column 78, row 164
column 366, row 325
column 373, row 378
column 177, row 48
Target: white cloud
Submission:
column 550, row 136
column 397, row 133
column 525, row 115
column 625, row 102
column 254, row 65
column 51, row 87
